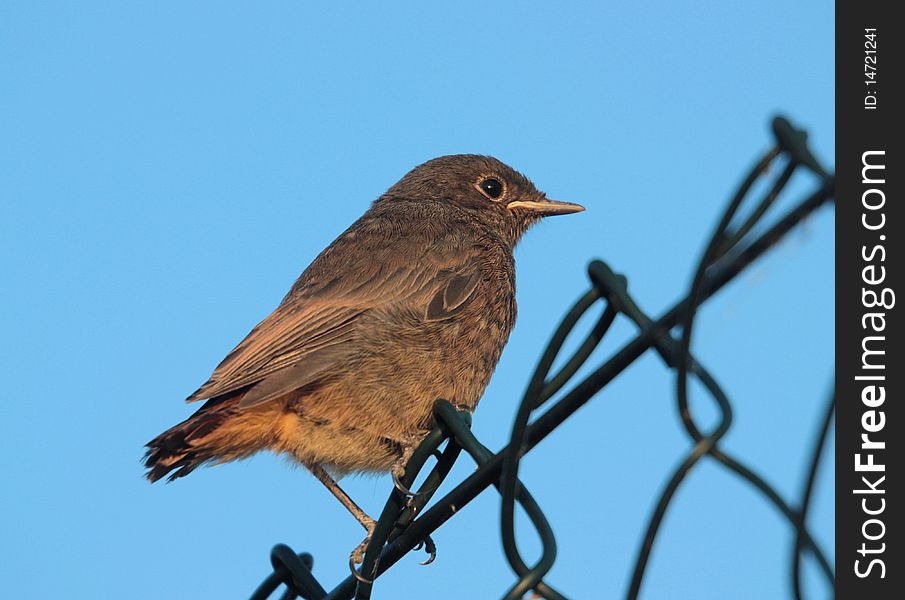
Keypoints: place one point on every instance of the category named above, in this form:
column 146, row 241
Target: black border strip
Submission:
column 869, row 359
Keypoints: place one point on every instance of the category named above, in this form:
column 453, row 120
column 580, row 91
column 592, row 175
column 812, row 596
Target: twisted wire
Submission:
column 405, row 523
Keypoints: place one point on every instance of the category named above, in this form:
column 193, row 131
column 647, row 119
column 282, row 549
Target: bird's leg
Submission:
column 408, row 446
column 398, row 472
column 358, row 555
column 361, row 516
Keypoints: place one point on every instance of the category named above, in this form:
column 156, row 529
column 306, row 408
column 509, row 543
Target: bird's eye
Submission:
column 491, row 187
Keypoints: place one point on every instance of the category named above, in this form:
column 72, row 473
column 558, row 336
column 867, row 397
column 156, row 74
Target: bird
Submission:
column 414, row 302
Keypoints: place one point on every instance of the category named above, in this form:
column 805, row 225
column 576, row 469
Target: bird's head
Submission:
column 489, row 189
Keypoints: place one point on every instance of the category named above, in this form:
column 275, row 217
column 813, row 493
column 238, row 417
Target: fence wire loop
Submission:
column 406, row 522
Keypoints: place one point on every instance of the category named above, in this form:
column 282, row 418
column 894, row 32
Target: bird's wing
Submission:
column 286, row 337
column 315, row 328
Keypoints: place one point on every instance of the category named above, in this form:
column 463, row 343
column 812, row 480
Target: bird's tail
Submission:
column 217, row 432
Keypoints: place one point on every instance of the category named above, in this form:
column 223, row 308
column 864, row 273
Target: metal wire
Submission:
column 730, row 249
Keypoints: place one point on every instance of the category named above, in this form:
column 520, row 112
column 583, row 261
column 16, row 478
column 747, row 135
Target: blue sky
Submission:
column 167, row 170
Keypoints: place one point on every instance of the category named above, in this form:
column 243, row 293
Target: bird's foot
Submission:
column 398, row 473
column 358, row 556
column 430, row 547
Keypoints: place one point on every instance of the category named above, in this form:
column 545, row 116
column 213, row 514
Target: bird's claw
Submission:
column 430, row 547
column 355, row 573
column 357, row 557
column 397, row 483
column 406, row 492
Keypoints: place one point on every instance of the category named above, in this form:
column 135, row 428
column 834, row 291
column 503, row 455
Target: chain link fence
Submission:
column 406, row 523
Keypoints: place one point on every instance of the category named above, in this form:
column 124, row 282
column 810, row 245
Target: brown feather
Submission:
column 412, row 303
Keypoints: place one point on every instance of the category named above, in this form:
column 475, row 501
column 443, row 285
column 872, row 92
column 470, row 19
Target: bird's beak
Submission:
column 545, row 207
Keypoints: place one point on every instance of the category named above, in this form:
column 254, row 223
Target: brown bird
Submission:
column 412, row 303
